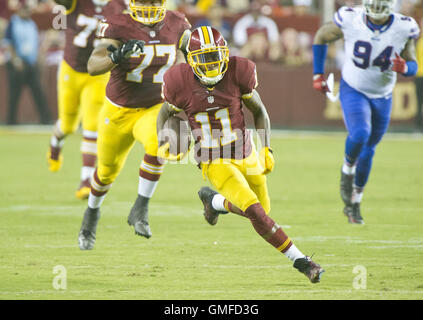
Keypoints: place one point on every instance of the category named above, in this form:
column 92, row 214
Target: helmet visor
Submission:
column 209, row 62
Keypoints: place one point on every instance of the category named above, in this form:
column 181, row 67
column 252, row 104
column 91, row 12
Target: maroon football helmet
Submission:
column 208, row 54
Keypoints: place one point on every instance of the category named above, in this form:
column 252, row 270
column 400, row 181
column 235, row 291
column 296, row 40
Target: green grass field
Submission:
column 188, row 259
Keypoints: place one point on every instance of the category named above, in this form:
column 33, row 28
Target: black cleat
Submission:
column 346, row 188
column 210, row 214
column 138, row 217
column 353, row 213
column 86, row 236
column 312, row 270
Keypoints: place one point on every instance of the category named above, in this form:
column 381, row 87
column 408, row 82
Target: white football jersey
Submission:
column 368, row 52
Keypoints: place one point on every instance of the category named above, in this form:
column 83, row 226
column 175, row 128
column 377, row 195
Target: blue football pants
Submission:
column 366, row 121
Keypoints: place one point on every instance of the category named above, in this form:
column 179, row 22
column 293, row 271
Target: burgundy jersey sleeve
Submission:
column 185, row 25
column 173, row 92
column 115, row 7
column 245, row 75
column 82, row 22
column 113, row 27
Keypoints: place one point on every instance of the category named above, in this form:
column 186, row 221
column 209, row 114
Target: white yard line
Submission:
column 276, row 133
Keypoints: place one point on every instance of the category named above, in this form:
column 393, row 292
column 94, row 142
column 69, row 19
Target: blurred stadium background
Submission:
column 281, row 47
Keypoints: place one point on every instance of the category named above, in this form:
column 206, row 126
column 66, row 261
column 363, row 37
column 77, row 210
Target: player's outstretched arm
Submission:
column 327, row 33
column 261, row 118
column 66, row 3
column 262, row 124
column 100, row 61
column 409, row 52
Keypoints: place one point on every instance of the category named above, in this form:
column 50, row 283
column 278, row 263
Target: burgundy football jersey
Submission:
column 137, row 82
column 81, row 26
column 216, row 116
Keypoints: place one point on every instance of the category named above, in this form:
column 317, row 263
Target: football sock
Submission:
column 231, row 208
column 149, row 175
column 57, row 132
column 89, row 154
column 347, row 168
column 98, row 192
column 268, row 229
column 57, row 141
column 87, row 173
column 218, row 202
column 293, row 253
column 55, row 147
column 357, row 194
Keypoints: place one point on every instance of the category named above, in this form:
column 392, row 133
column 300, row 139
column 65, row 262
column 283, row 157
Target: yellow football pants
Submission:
column 241, row 182
column 80, row 98
column 118, row 130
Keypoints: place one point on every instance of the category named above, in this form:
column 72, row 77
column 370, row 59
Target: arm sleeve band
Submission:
column 319, row 56
column 412, row 68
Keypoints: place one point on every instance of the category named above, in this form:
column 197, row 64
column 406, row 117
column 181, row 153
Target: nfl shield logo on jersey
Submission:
column 210, row 99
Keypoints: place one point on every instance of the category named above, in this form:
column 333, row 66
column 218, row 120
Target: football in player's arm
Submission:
column 379, row 44
column 210, row 90
column 261, row 122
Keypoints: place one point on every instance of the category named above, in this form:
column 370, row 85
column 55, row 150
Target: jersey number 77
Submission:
column 150, row 52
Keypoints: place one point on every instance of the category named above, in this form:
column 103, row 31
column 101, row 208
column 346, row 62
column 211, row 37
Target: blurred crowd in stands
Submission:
column 278, row 31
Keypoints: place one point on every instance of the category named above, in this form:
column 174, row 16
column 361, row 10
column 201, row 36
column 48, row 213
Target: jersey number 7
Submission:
column 363, row 51
column 150, row 52
column 89, row 25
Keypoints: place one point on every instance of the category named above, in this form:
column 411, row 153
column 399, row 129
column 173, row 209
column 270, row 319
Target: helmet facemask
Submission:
column 379, row 9
column 209, row 64
column 148, row 12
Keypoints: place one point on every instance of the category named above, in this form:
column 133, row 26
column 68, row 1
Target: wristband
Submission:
column 319, row 56
column 412, row 68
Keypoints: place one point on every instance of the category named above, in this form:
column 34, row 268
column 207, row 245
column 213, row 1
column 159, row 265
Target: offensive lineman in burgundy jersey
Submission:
column 137, row 82
column 80, row 96
column 138, row 49
column 211, row 90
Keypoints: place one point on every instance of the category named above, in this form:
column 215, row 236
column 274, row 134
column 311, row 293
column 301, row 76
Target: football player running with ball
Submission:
column 210, row 89
column 137, row 48
column 379, row 44
column 80, row 95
